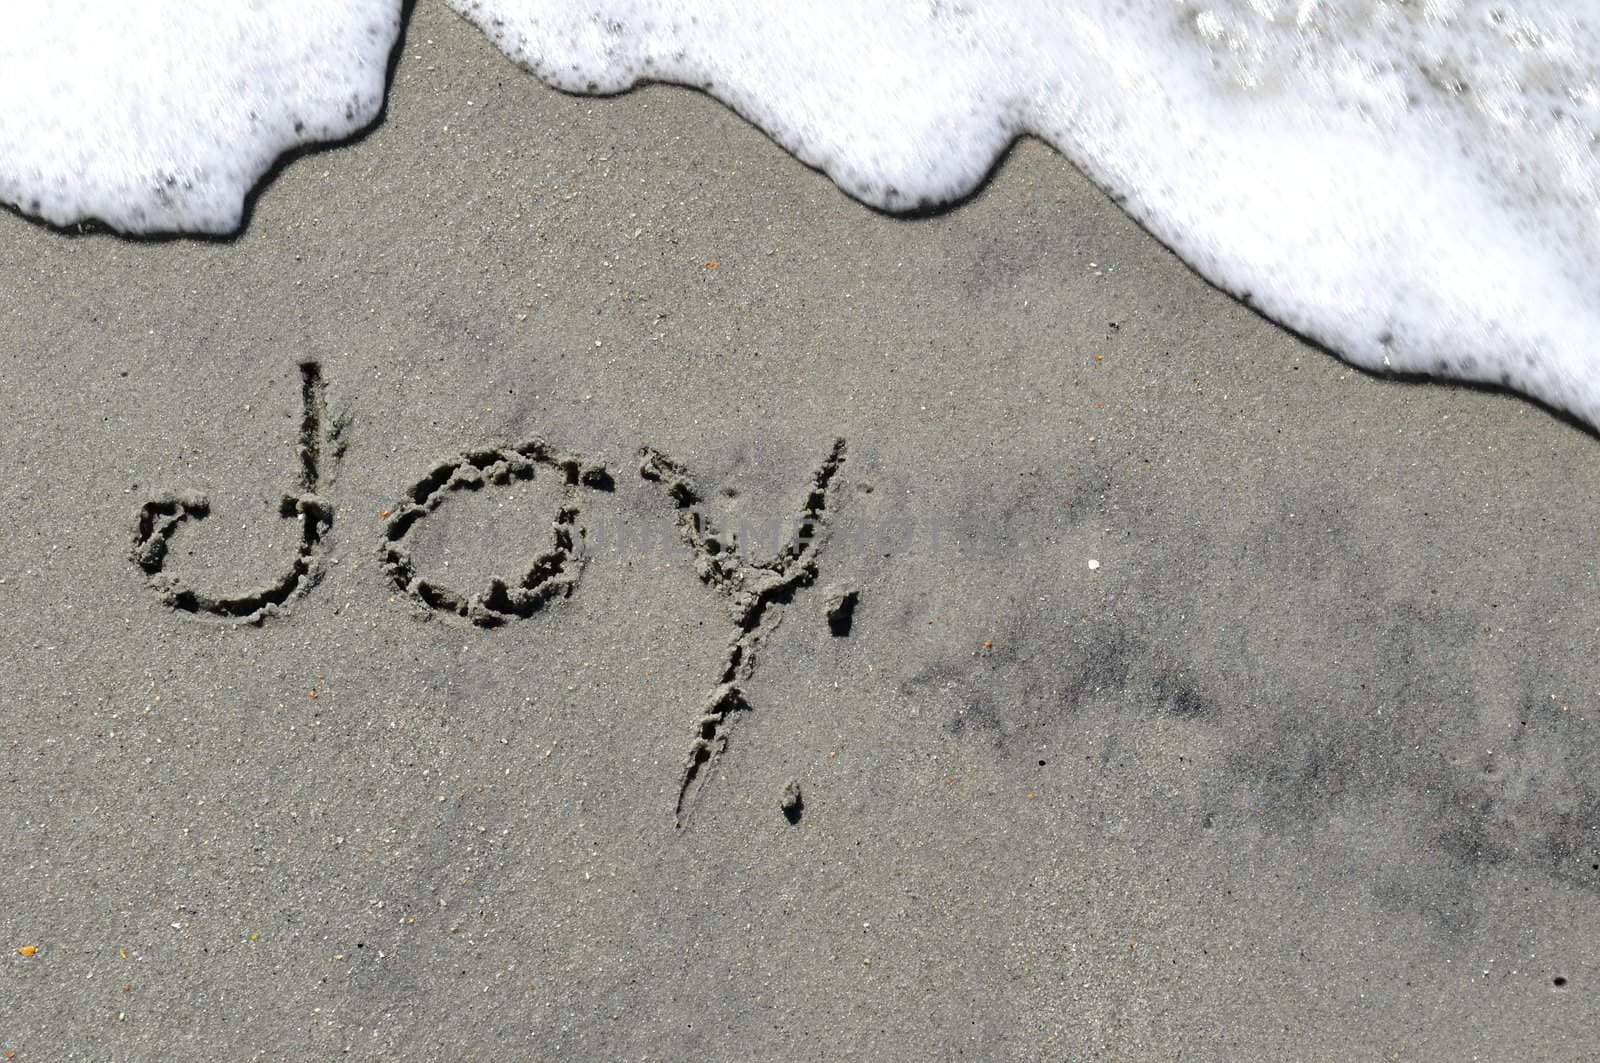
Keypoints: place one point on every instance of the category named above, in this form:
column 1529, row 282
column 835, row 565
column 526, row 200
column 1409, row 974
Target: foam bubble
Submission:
column 153, row 116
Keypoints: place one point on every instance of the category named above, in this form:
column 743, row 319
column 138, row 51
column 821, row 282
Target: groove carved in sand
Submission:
column 756, row 591
column 551, row 576
column 160, row 518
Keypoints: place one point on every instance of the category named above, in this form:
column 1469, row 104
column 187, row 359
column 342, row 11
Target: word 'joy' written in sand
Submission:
column 756, row 591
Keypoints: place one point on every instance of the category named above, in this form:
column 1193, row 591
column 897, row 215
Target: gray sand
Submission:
column 1306, row 768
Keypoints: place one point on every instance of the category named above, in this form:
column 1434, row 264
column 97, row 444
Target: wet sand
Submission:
column 1202, row 698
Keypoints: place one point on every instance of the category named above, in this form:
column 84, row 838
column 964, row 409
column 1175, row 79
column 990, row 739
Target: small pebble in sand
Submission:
column 1093, row 564
column 792, row 803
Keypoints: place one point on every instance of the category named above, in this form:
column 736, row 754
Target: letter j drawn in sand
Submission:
column 160, row 517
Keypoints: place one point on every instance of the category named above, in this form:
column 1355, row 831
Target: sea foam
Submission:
column 1412, row 183
column 153, row 116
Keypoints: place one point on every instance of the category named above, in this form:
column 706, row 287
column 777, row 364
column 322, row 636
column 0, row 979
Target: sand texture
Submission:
column 837, row 636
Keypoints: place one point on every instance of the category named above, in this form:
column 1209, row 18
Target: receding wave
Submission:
column 1412, row 184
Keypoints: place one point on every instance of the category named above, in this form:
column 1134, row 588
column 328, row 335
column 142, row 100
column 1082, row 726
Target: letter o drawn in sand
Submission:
column 551, row 576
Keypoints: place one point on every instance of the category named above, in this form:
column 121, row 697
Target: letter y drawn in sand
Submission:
column 757, row 593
